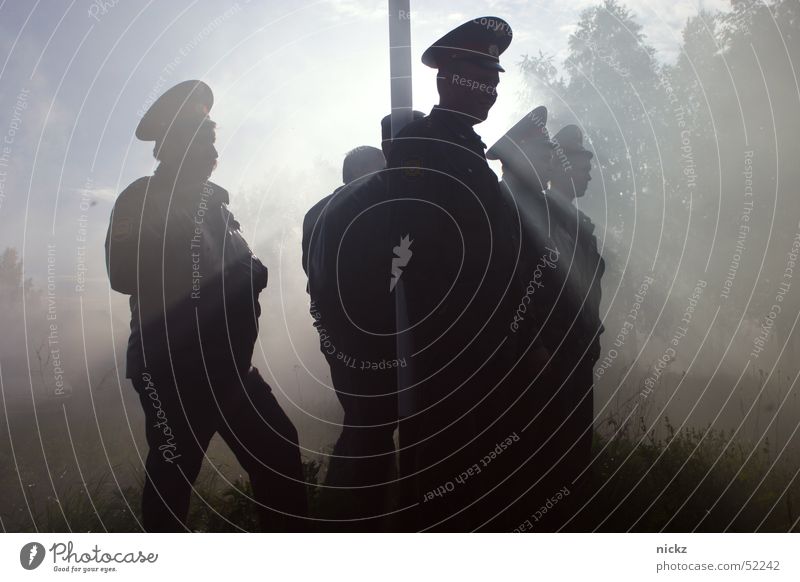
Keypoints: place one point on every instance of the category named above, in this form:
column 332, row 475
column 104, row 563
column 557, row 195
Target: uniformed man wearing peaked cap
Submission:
column 337, row 250
column 570, row 140
column 186, row 101
column 480, row 41
column 570, row 180
column 572, row 331
column 453, row 276
column 571, row 163
column 530, row 129
column 176, row 249
column 526, row 150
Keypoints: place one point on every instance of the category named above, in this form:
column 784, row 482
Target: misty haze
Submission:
column 690, row 111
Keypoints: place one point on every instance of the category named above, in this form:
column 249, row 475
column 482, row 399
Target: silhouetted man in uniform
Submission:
column 175, row 248
column 346, row 244
column 454, row 275
column 335, row 255
column 576, row 323
column 358, row 163
column 526, row 153
column 560, row 252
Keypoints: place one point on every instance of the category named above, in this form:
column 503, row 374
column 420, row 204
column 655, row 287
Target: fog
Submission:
column 694, row 192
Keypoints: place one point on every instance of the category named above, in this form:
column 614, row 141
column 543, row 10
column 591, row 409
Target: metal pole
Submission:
column 400, row 79
column 400, row 62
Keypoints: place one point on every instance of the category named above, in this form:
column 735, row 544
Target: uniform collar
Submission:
column 520, row 186
column 183, row 188
column 459, row 124
column 570, row 209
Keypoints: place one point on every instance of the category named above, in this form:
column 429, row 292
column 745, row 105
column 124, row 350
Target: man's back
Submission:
column 461, row 276
column 348, row 265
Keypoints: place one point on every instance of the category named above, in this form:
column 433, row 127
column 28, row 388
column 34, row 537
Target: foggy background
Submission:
column 691, row 109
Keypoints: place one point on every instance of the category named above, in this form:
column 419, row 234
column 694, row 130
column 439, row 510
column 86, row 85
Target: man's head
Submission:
column 468, row 88
column 526, row 150
column 572, row 163
column 179, row 125
column 468, row 61
column 362, row 161
column 189, row 148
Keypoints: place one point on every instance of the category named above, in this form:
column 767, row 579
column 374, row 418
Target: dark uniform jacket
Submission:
column 461, row 283
column 193, row 282
column 347, row 257
column 312, row 229
column 567, row 305
column 578, row 308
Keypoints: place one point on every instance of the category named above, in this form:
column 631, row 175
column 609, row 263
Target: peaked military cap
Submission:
column 481, row 41
column 570, row 141
column 527, row 133
column 188, row 100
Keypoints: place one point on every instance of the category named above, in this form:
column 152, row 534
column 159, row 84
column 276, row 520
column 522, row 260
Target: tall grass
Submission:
column 688, row 480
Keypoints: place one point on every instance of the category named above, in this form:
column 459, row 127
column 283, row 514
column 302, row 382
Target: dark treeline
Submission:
column 697, row 177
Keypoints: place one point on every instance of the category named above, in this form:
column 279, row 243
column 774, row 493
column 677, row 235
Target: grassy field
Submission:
column 693, row 480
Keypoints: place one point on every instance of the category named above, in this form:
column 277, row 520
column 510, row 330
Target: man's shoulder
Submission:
column 132, row 198
column 358, row 194
column 218, row 192
column 315, row 211
column 313, row 222
column 419, row 127
column 518, row 192
column 426, row 128
column 563, row 210
column 135, row 189
column 420, row 143
column 126, row 219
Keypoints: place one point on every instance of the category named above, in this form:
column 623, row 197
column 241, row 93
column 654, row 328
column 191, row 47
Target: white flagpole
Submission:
column 400, row 62
column 400, row 79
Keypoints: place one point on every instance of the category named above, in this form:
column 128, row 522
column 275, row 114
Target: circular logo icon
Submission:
column 413, row 168
column 31, row 555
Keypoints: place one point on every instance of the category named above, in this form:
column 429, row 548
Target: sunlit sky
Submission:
column 296, row 84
